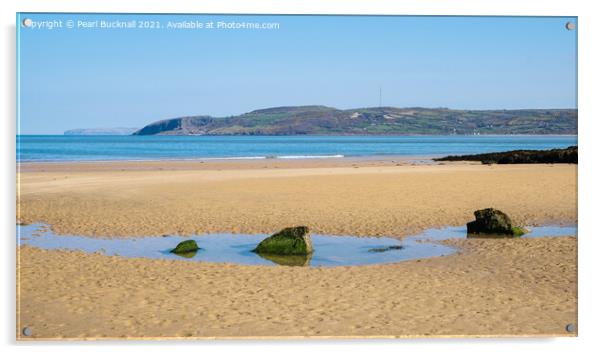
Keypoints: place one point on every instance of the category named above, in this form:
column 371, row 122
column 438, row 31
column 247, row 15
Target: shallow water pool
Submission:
column 237, row 248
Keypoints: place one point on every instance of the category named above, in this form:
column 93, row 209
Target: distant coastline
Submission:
column 322, row 120
column 100, row 131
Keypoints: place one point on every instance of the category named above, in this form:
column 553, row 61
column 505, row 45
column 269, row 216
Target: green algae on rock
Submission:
column 288, row 241
column 187, row 246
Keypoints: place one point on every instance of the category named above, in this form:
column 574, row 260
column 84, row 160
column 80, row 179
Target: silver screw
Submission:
column 570, row 328
column 27, row 331
column 26, row 22
column 570, row 26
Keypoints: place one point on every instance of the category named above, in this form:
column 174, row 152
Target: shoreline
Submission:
column 241, row 158
column 231, row 163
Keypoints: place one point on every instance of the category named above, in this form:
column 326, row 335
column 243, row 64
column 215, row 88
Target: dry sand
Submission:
column 492, row 287
column 352, row 200
column 495, row 287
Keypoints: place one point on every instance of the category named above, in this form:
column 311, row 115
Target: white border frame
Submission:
column 589, row 170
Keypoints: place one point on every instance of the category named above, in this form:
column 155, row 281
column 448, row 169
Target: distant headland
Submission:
column 322, row 120
column 101, row 131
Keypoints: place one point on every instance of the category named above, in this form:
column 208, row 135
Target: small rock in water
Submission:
column 493, row 222
column 288, row 241
column 186, row 247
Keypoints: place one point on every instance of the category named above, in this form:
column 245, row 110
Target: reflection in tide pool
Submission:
column 236, row 248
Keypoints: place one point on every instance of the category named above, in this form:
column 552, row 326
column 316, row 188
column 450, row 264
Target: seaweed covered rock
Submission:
column 567, row 155
column 492, row 222
column 289, row 241
column 187, row 246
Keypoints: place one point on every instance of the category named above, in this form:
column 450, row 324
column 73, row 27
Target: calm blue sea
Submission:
column 101, row 148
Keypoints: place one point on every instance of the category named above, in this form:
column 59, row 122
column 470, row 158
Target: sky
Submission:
column 92, row 77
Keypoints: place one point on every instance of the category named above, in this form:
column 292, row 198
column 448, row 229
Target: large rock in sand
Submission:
column 289, row 241
column 492, row 222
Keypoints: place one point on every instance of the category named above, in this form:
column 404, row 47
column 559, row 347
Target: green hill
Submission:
column 321, row 120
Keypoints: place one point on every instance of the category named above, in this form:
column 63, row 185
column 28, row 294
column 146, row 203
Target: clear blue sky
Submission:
column 87, row 78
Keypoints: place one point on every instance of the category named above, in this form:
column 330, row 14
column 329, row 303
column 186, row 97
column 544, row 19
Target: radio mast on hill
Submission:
column 380, row 96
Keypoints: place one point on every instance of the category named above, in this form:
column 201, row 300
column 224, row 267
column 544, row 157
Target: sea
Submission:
column 61, row 148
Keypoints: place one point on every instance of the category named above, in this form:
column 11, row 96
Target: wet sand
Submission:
column 492, row 287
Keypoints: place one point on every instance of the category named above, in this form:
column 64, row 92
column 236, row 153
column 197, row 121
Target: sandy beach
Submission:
column 490, row 287
column 363, row 198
